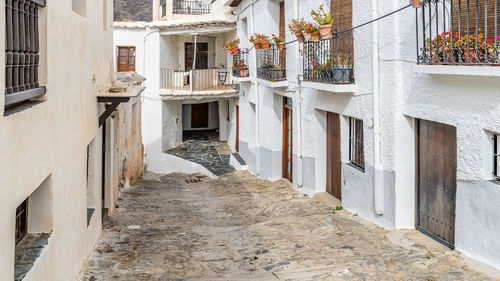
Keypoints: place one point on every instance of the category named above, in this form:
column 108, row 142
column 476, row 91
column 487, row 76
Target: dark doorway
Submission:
column 201, row 55
column 199, row 115
column 333, row 160
column 287, row 139
column 436, row 165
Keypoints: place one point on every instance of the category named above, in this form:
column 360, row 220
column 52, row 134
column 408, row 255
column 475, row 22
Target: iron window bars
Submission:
column 496, row 156
column 21, row 221
column 330, row 60
column 22, row 51
column 240, row 64
column 458, row 32
column 271, row 63
column 356, row 145
column 184, row 7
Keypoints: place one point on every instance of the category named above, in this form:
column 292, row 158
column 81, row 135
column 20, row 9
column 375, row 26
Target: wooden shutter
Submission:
column 282, row 19
column 341, row 11
column 483, row 10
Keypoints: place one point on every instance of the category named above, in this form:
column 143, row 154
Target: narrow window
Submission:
column 22, row 51
column 356, row 146
column 496, row 156
column 21, row 221
column 126, row 59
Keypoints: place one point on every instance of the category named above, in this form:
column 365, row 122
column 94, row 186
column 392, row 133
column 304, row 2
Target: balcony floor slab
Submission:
column 461, row 70
column 333, row 88
column 273, row 84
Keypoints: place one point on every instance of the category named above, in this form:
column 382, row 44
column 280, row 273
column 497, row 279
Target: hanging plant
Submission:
column 297, row 26
column 324, row 21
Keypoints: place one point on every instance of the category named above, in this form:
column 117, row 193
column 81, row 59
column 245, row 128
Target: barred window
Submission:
column 356, row 146
column 21, row 221
column 22, row 51
column 496, row 156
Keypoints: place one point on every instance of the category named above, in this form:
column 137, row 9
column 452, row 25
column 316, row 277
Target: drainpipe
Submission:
column 257, row 105
column 300, row 174
column 378, row 185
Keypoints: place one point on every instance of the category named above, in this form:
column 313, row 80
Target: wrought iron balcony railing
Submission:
column 330, row 60
column 185, row 7
column 458, row 32
column 194, row 80
column 271, row 63
column 240, row 64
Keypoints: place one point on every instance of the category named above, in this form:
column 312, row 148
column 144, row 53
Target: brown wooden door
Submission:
column 288, row 139
column 201, row 55
column 237, row 145
column 333, row 161
column 126, row 59
column 199, row 115
column 436, row 170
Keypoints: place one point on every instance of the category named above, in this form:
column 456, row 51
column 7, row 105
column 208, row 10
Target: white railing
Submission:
column 192, row 80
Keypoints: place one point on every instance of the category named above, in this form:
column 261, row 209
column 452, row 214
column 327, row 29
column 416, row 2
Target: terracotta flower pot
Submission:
column 265, row 45
column 244, row 73
column 307, row 37
column 316, row 36
column 325, row 31
column 280, row 46
column 257, row 46
column 229, row 51
column 300, row 37
column 417, row 3
column 235, row 50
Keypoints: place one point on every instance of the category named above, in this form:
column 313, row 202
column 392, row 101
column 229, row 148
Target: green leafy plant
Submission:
column 338, row 208
column 278, row 39
column 297, row 25
column 310, row 29
column 321, row 16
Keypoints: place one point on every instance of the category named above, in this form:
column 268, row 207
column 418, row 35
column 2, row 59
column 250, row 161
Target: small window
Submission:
column 80, row 7
column 21, row 221
column 496, row 156
column 126, row 59
column 356, row 146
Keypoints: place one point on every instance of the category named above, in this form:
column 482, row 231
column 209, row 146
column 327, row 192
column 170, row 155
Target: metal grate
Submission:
column 458, row 32
column 183, row 7
column 240, row 64
column 356, row 145
column 22, row 50
column 496, row 156
column 271, row 64
column 330, row 60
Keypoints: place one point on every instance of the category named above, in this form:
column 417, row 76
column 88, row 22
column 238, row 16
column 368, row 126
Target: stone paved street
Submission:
column 204, row 148
column 241, row 228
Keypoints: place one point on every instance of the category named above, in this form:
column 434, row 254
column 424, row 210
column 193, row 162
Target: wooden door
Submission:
column 199, row 115
column 237, row 145
column 333, row 160
column 126, row 59
column 436, row 170
column 201, row 55
column 288, row 139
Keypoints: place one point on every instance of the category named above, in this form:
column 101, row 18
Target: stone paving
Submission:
column 238, row 227
column 204, row 148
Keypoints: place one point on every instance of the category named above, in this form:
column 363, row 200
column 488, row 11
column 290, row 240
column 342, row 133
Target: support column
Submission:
column 171, row 124
column 223, row 119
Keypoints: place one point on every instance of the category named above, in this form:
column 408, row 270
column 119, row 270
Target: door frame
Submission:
column 285, row 160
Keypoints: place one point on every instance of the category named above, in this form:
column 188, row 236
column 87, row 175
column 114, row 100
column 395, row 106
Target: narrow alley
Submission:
column 238, row 227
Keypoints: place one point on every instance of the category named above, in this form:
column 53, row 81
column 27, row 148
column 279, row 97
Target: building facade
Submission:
column 181, row 55
column 63, row 160
column 403, row 133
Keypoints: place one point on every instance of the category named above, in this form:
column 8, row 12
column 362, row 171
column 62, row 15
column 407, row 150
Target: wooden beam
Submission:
column 107, row 112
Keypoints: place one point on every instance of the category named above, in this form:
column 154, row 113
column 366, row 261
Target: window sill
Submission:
column 350, row 164
column 20, row 108
column 459, row 70
column 27, row 252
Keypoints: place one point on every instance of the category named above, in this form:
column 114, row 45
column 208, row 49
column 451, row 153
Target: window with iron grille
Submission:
column 22, row 46
column 496, row 156
column 356, row 146
column 21, row 221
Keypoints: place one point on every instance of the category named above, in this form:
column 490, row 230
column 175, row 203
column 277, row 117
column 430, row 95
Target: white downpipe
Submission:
column 257, row 101
column 378, row 185
column 300, row 173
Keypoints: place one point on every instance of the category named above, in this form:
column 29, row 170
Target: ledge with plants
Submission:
column 232, row 47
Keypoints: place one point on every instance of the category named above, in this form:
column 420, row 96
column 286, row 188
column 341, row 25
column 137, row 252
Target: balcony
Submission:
column 458, row 32
column 271, row 64
column 240, row 64
column 330, row 61
column 183, row 7
column 194, row 82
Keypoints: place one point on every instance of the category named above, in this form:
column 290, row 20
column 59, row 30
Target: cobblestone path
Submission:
column 241, row 228
column 204, row 148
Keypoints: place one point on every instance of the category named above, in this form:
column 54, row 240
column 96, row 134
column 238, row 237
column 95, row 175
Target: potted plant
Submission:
column 311, row 32
column 324, row 21
column 234, row 46
column 227, row 46
column 243, row 69
column 264, row 41
column 280, row 42
column 255, row 41
column 342, row 69
column 297, row 27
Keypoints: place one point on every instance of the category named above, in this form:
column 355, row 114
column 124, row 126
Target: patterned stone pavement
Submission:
column 204, row 148
column 238, row 227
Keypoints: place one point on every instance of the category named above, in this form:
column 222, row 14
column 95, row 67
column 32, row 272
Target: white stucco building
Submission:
column 184, row 91
column 63, row 160
column 401, row 144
